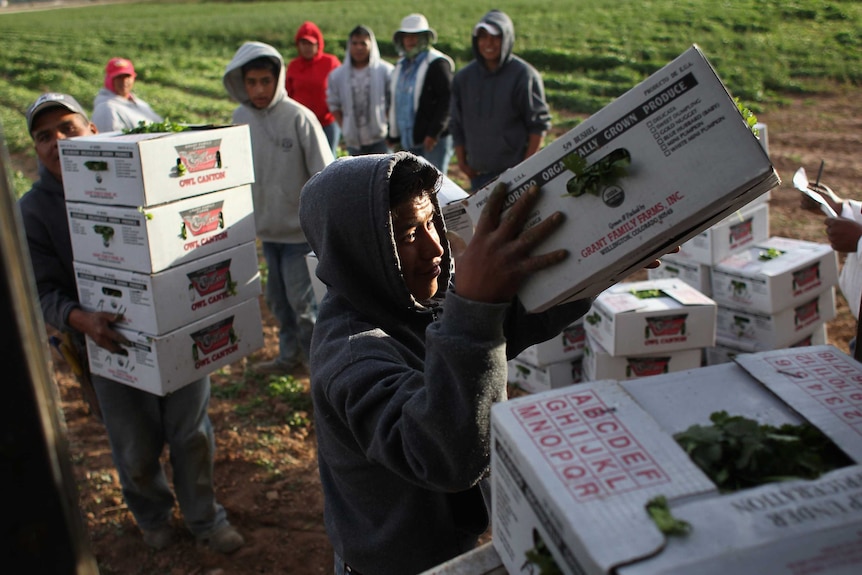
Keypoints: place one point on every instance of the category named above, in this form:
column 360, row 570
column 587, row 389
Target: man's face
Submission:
column 410, row 40
column 489, row 45
column 418, row 246
column 56, row 124
column 260, row 87
column 123, row 85
column 360, row 48
column 307, row 49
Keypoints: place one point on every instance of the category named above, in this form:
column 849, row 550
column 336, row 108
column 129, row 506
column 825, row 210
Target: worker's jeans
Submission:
column 139, row 424
column 290, row 299
column 440, row 155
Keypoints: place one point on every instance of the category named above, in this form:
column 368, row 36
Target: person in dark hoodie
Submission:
column 288, row 147
column 498, row 111
column 421, row 87
column 406, row 364
column 307, row 79
column 138, row 423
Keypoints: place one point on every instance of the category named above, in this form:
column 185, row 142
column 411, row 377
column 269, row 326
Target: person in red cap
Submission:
column 115, row 107
column 307, row 79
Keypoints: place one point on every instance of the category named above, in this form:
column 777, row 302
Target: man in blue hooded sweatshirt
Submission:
column 498, row 111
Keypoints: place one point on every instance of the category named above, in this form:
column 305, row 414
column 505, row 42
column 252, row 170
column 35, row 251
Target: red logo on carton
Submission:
column 806, row 313
column 199, row 156
column 645, row 366
column 665, row 325
column 806, row 278
column 203, row 219
column 574, row 337
column 213, row 337
column 741, row 233
column 210, row 279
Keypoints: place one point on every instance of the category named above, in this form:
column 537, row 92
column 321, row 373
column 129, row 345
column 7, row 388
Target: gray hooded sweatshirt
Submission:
column 288, row 147
column 339, row 95
column 493, row 113
column 402, row 391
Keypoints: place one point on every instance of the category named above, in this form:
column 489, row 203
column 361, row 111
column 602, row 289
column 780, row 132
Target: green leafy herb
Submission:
column 592, row 179
column 593, row 318
column 647, row 293
column 145, row 127
column 659, row 511
column 147, row 214
column 769, row 254
column 107, row 232
column 181, row 167
column 748, row 116
column 737, row 453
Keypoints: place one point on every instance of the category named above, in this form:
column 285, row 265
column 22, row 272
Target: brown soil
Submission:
column 266, row 473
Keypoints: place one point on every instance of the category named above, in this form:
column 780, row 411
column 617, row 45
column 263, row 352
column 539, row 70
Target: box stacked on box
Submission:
column 551, row 364
column 638, row 329
column 573, row 470
column 777, row 293
column 692, row 161
column 162, row 230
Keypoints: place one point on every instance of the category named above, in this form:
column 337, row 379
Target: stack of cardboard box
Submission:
column 639, row 329
column 551, row 364
column 163, row 236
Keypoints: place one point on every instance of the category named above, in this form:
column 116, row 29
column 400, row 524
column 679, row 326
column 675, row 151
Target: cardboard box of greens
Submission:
column 774, row 274
column 574, row 469
column 693, row 162
column 568, row 344
column 536, row 378
column 154, row 168
column 162, row 364
column 163, row 236
column 652, row 316
column 697, row 275
column 738, row 230
column 599, row 364
column 726, row 350
column 159, row 303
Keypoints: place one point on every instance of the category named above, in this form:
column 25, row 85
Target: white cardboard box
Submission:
column 534, row 378
column 141, row 169
column 162, row 364
column 773, row 331
column 568, row 344
column 599, row 364
column 726, row 350
column 458, row 222
column 747, row 280
column 676, row 317
column 698, row 276
column 738, row 230
column 694, row 161
column 576, row 466
column 159, row 303
column 162, row 236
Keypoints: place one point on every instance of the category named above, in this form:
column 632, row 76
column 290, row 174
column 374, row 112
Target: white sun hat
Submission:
column 416, row 24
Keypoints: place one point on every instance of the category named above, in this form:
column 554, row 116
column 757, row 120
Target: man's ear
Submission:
column 93, row 128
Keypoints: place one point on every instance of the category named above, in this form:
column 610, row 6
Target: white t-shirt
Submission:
column 850, row 280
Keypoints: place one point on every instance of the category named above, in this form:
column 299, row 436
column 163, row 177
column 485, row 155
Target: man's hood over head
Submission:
column 233, row 81
column 502, row 22
column 373, row 52
column 344, row 213
column 310, row 31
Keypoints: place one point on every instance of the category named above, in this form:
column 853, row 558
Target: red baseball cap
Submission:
column 118, row 67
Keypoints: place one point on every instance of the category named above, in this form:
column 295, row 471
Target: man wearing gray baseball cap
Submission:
column 138, row 423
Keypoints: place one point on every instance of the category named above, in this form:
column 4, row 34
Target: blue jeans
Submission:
column 380, row 147
column 290, row 299
column 440, row 155
column 139, row 424
column 333, row 135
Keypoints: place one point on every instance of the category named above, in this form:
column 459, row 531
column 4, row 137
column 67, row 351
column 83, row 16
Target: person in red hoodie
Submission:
column 307, row 76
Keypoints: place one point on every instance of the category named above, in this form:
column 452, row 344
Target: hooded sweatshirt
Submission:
column 288, row 147
column 112, row 112
column 493, row 113
column 402, row 389
column 307, row 79
column 339, row 96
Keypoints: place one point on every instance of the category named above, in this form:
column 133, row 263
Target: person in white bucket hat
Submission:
column 421, row 86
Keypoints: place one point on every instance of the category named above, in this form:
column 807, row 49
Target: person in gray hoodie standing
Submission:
column 358, row 94
column 406, row 366
column 499, row 115
column 288, row 147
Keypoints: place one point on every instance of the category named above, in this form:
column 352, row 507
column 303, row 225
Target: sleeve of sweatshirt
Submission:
column 439, row 78
column 315, row 146
column 429, row 424
column 536, row 111
column 455, row 127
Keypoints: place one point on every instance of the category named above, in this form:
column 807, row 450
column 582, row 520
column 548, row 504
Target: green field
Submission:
column 588, row 52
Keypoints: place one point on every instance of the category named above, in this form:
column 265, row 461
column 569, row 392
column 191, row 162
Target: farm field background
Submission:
column 797, row 64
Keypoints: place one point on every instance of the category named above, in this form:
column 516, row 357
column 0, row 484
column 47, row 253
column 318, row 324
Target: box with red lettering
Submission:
column 573, row 469
column 154, row 168
column 652, row 169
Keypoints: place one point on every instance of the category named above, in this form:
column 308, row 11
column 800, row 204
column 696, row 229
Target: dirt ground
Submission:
column 266, row 473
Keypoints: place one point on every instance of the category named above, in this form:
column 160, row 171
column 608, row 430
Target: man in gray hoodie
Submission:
column 288, row 147
column 498, row 110
column 405, row 366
